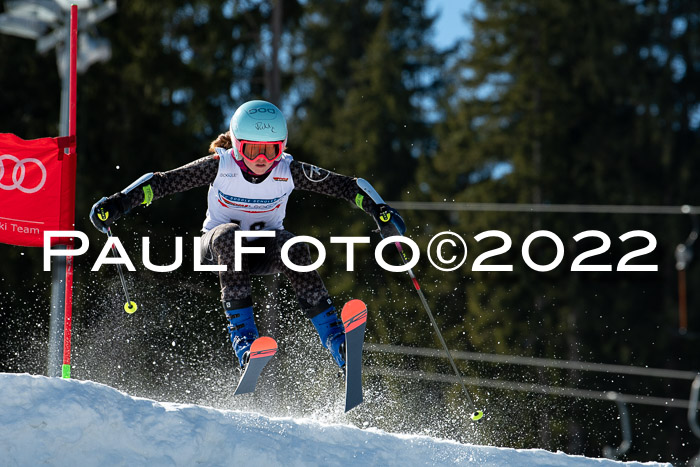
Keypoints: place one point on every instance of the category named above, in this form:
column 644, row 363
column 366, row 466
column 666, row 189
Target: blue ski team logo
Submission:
column 256, row 204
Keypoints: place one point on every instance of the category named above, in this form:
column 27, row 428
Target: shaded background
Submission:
column 539, row 101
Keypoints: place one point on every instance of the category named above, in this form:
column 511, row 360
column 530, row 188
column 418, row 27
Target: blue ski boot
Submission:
column 242, row 329
column 330, row 330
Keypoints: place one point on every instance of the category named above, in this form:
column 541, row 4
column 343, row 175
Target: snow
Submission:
column 68, row 422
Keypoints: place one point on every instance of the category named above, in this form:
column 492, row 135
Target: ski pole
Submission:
column 478, row 414
column 130, row 307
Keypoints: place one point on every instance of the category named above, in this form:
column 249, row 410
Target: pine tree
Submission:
column 583, row 102
column 362, row 75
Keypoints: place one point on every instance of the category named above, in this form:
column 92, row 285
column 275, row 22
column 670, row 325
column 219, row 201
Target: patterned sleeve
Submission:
column 308, row 177
column 197, row 173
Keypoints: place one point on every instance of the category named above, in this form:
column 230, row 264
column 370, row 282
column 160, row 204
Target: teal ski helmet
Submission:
column 257, row 121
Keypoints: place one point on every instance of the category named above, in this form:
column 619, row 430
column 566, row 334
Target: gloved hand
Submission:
column 106, row 211
column 389, row 221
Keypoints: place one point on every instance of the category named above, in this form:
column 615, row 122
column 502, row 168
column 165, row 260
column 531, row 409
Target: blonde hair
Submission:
column 222, row 141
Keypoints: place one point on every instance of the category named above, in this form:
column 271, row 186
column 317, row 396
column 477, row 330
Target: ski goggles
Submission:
column 252, row 150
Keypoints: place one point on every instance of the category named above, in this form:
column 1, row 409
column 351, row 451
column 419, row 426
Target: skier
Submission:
column 250, row 178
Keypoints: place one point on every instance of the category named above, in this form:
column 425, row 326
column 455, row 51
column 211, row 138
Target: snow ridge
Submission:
column 70, row 422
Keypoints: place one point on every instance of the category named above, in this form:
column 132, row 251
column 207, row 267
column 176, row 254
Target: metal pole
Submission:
column 73, row 86
column 693, row 406
column 693, row 416
column 682, row 303
column 625, row 426
column 58, row 293
column 478, row 414
column 58, row 267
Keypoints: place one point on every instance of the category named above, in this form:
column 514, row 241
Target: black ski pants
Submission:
column 218, row 247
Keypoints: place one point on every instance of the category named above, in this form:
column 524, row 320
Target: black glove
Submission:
column 106, row 211
column 389, row 221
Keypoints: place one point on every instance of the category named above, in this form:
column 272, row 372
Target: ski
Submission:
column 262, row 350
column 354, row 317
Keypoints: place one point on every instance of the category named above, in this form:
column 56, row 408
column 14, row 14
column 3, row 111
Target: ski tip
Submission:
column 263, row 347
column 354, row 314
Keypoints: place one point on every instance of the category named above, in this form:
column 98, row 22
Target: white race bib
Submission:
column 253, row 206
